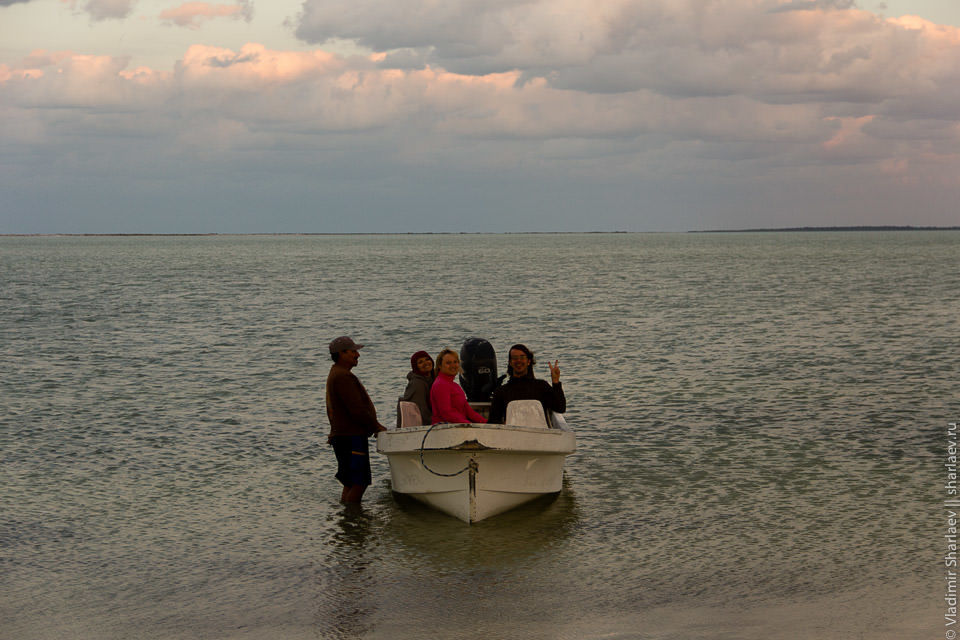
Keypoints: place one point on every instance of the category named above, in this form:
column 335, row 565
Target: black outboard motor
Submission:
column 478, row 369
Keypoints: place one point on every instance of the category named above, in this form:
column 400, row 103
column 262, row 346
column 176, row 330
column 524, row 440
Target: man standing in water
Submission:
column 353, row 419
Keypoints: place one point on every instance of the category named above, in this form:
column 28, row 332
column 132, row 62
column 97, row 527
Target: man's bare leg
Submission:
column 353, row 493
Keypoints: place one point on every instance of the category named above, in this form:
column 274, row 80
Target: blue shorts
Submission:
column 353, row 460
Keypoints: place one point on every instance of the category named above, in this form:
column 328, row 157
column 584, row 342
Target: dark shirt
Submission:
column 527, row 388
column 349, row 408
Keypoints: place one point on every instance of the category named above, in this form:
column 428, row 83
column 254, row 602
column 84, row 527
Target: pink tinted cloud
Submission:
column 65, row 78
column 819, row 84
column 191, row 14
column 253, row 66
column 77, row 68
column 319, row 91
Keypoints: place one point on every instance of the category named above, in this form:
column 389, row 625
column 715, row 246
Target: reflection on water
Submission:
column 346, row 583
column 444, row 542
column 394, row 565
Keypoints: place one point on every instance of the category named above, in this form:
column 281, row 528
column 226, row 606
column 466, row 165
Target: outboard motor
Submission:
column 478, row 369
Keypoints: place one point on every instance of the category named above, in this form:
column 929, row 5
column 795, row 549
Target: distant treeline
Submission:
column 860, row 228
column 295, row 233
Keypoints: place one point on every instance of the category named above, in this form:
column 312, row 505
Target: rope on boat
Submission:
column 436, row 473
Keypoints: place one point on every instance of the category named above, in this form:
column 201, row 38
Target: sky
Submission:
column 342, row 116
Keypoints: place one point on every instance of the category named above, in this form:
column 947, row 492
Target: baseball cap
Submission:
column 343, row 343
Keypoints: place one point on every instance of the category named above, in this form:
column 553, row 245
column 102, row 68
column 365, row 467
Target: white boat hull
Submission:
column 475, row 471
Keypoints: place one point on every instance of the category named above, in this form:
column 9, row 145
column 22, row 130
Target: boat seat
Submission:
column 410, row 414
column 526, row 413
column 557, row 421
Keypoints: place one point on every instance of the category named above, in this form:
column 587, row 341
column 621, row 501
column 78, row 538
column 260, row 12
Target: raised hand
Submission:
column 554, row 371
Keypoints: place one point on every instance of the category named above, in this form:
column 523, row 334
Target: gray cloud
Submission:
column 823, row 52
column 99, row 10
column 814, row 5
column 682, row 49
column 465, row 26
column 109, row 9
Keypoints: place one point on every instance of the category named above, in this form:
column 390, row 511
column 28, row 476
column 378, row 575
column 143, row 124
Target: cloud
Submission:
column 773, row 50
column 318, row 91
column 797, row 116
column 109, row 9
column 813, row 5
column 99, row 10
column 722, row 70
column 480, row 35
column 7, row 3
column 191, row 14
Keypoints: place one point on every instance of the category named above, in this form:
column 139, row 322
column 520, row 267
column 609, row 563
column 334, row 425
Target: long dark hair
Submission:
column 529, row 354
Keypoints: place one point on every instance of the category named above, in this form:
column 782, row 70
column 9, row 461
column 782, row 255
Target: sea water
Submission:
column 760, row 423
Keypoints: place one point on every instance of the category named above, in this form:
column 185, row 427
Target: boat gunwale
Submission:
column 473, row 437
column 445, row 426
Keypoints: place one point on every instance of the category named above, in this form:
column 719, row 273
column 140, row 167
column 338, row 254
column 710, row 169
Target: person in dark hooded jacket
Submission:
column 522, row 385
column 419, row 381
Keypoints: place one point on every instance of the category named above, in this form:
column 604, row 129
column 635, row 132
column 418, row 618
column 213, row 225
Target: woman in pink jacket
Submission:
column 447, row 399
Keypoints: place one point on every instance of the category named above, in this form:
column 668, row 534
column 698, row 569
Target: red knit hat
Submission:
column 417, row 356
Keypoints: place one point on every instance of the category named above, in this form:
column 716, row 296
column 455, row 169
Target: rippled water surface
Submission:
column 759, row 417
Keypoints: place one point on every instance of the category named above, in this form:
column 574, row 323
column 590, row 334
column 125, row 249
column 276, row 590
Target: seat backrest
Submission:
column 557, row 421
column 526, row 413
column 410, row 414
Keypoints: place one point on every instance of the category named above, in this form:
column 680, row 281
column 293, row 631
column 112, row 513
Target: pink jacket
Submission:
column 449, row 402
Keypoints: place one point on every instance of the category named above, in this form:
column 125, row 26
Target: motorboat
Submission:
column 475, row 471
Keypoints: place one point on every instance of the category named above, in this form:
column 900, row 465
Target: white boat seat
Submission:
column 557, row 420
column 410, row 414
column 526, row 413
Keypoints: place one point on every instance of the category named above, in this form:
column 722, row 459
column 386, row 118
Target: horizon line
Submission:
column 450, row 233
